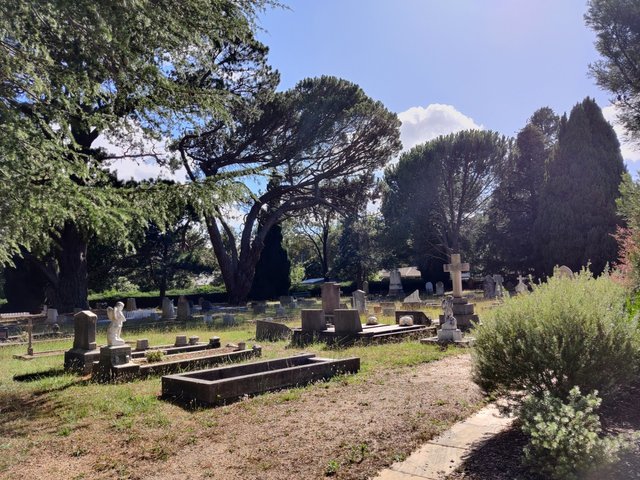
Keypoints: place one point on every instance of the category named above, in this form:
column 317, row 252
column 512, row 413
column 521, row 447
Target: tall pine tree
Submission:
column 577, row 211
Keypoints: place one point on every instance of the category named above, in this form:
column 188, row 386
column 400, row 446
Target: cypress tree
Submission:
column 577, row 212
column 272, row 270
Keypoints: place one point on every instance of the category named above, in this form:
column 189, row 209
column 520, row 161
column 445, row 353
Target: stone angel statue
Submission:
column 115, row 327
column 447, row 307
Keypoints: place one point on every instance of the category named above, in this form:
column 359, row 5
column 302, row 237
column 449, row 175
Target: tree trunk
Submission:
column 71, row 290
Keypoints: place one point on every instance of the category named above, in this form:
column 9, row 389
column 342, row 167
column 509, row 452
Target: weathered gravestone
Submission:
column 563, row 272
column 286, row 301
column 280, row 311
column 359, row 301
column 259, row 307
column 499, row 286
column 313, row 320
column 346, row 321
column 413, row 300
column 489, row 287
column 85, row 350
column 428, row 288
column 272, row 331
column 330, row 297
column 388, row 308
column 131, row 305
column 184, row 310
column 168, row 310
column 228, row 320
column 463, row 310
column 521, row 287
column 439, row 289
column 395, row 283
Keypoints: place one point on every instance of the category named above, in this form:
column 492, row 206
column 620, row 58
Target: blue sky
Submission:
column 444, row 65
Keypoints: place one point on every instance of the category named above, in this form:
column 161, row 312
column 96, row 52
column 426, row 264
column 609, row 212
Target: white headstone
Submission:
column 359, row 301
column 395, row 283
column 413, row 298
column 521, row 287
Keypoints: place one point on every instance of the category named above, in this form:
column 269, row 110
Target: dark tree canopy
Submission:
column 73, row 70
column 617, row 26
column 322, row 141
column 437, row 192
column 577, row 212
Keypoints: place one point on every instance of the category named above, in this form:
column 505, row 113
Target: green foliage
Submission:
column 359, row 253
column 332, row 468
column 617, row 25
column 565, row 333
column 577, row 212
column 154, row 356
column 565, row 437
column 272, row 270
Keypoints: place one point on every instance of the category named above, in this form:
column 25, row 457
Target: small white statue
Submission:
column 115, row 327
column 447, row 307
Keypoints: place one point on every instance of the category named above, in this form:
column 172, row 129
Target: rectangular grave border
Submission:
column 225, row 384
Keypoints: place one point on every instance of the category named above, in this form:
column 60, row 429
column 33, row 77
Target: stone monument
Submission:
column 439, row 289
column 168, row 310
column 313, row 320
column 463, row 310
column 395, row 283
column 84, row 352
column 563, row 272
column 184, row 310
column 428, row 288
column 114, row 329
column 521, row 287
column 499, row 287
column 449, row 331
column 489, row 287
column 330, row 297
column 359, row 301
column 131, row 305
column 347, row 321
column 413, row 298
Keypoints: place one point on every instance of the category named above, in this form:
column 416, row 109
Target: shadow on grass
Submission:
column 33, row 376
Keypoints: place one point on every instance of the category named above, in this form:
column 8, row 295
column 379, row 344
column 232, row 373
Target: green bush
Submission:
column 565, row 437
column 565, row 333
column 154, row 356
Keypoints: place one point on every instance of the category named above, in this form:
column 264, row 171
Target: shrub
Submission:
column 154, row 356
column 565, row 333
column 565, row 437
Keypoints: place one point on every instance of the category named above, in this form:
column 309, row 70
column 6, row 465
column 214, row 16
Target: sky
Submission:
column 444, row 65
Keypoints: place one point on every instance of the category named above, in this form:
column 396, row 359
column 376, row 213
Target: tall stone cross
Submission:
column 455, row 269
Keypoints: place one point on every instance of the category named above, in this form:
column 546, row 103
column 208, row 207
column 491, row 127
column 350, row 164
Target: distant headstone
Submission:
column 489, row 287
column 563, row 272
column 228, row 320
column 365, row 287
column 313, row 320
column 359, row 301
column 439, row 289
column 280, row 311
column 330, row 297
column 272, row 331
column 184, row 310
column 193, row 340
column 52, row 315
column 131, row 305
column 413, row 298
column 286, row 301
column 388, row 309
column 521, row 287
column 84, row 352
column 142, row 344
column 346, row 321
column 428, row 287
column 259, row 307
column 206, row 305
column 168, row 310
column 395, row 283
column 181, row 341
column 499, row 287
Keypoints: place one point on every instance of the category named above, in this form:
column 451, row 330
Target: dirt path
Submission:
column 350, row 430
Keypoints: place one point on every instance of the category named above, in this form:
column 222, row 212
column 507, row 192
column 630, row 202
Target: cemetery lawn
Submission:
column 63, row 426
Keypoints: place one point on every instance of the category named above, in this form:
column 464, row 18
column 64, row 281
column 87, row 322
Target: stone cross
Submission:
column 455, row 269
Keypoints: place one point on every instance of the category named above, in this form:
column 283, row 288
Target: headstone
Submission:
column 563, row 272
column 52, row 315
column 181, row 341
column 395, row 283
column 272, row 331
column 372, row 320
column 168, row 310
column 461, row 308
column 388, row 309
column 84, row 352
column 365, row 287
column 206, row 305
column 413, row 298
column 439, row 289
column 184, row 310
column 359, row 301
column 313, row 320
column 286, row 301
column 229, row 320
column 521, row 287
column 259, row 307
column 489, row 287
column 330, row 297
column 499, row 286
column 111, row 356
column 142, row 344
column 131, row 305
column 346, row 321
column 449, row 331
column 428, row 287
column 280, row 311
column 207, row 317
column 193, row 340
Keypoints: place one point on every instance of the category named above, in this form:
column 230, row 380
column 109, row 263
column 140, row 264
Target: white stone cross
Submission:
column 455, row 269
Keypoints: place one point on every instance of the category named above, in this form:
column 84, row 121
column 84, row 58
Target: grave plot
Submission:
column 218, row 385
column 347, row 328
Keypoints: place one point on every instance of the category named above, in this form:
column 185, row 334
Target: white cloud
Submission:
column 630, row 151
column 420, row 124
